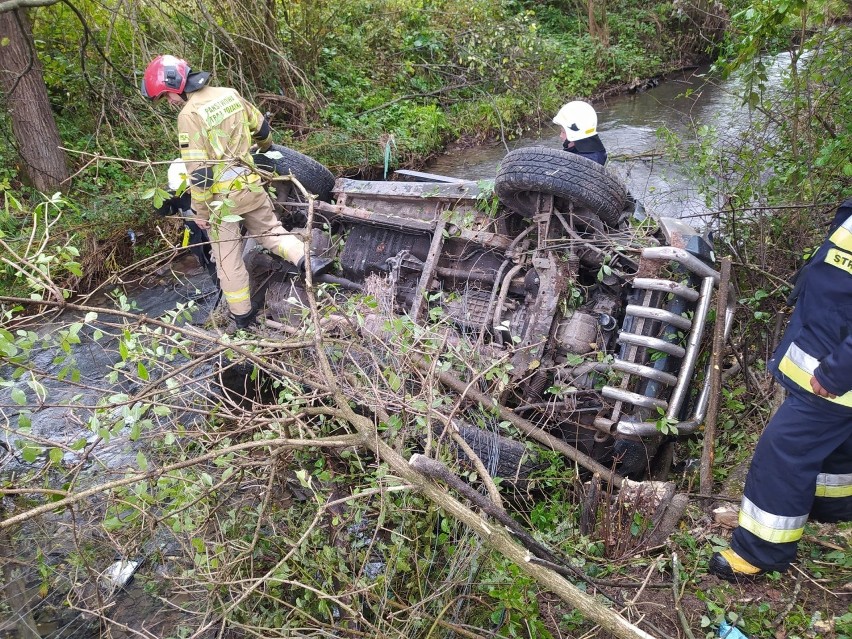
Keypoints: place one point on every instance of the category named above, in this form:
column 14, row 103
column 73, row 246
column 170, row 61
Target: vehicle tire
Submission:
column 314, row 176
column 502, row 457
column 525, row 173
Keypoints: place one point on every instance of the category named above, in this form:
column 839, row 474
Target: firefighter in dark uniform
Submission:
column 579, row 133
column 802, row 466
column 217, row 130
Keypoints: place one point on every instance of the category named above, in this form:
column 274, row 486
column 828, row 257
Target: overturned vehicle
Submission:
column 599, row 310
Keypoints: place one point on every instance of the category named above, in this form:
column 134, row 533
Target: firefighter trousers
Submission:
column 802, row 467
column 257, row 213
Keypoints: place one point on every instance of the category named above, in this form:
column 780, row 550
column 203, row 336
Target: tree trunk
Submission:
column 33, row 126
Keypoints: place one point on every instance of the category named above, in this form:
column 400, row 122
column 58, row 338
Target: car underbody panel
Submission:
column 602, row 314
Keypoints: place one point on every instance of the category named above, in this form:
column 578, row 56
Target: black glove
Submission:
column 175, row 204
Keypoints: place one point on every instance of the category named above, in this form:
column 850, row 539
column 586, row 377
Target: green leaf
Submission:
column 30, row 453
column 113, row 523
column 141, row 461
column 393, row 380
column 74, row 268
column 232, row 219
column 142, row 371
column 19, row 396
column 160, row 196
column 55, row 455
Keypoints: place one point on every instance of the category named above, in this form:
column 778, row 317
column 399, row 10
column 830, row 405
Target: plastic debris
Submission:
column 727, row 631
column 119, row 573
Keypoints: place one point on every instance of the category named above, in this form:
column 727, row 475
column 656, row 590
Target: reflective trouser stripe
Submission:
column 842, row 237
column 772, row 528
column 829, row 485
column 234, row 297
column 257, row 213
column 799, row 366
column 802, row 440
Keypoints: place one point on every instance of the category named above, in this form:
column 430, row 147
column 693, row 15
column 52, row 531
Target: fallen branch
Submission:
column 435, row 470
column 677, row 597
column 707, row 455
column 343, row 441
column 526, row 426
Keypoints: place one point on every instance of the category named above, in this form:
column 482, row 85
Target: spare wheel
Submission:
column 529, row 172
column 283, row 161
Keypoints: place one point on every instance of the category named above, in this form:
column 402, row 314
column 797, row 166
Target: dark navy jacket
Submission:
column 591, row 148
column 818, row 340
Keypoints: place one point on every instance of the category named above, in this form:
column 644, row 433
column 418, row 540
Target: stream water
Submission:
column 628, row 126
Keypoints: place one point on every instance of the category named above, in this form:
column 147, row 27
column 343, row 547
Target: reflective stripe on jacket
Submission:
column 818, row 340
column 842, row 236
column 215, row 131
column 799, row 367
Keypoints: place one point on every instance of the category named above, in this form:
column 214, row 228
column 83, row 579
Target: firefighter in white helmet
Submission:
column 579, row 133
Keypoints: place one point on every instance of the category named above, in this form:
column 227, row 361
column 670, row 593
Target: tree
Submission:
column 33, row 124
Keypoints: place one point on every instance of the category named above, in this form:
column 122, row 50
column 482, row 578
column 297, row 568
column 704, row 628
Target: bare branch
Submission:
column 12, row 5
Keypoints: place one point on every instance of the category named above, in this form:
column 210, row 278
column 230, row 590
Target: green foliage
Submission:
column 516, row 610
column 797, row 147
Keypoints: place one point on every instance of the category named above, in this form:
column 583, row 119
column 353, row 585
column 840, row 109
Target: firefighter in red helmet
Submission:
column 217, row 129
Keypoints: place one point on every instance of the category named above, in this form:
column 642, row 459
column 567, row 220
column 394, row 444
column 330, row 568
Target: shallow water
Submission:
column 628, row 125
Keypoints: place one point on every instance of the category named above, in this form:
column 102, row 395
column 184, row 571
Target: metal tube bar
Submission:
column 682, row 257
column 687, row 367
column 649, row 429
column 704, row 397
column 652, row 342
column 666, row 286
column 644, row 371
column 636, row 399
column 678, row 321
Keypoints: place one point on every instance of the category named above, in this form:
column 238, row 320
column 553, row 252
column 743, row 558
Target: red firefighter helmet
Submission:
column 165, row 74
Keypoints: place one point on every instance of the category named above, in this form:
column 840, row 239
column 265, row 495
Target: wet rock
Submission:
column 726, row 515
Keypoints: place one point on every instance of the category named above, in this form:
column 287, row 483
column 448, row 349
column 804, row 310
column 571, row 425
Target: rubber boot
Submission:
column 728, row 565
column 247, row 319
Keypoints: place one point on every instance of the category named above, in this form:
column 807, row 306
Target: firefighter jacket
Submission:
column 216, row 129
column 818, row 340
column 591, row 148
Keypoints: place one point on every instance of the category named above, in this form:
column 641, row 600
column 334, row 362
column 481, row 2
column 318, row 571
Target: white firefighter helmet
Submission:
column 578, row 119
column 177, row 175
